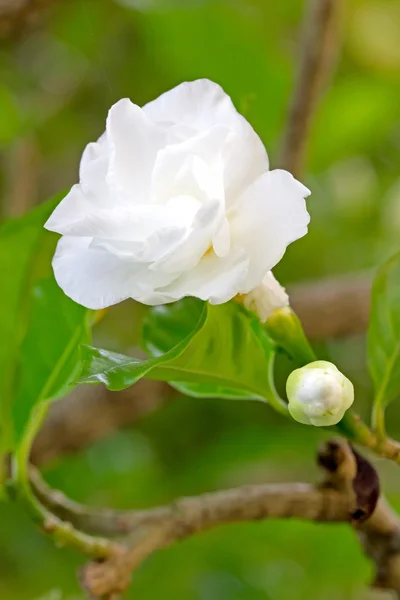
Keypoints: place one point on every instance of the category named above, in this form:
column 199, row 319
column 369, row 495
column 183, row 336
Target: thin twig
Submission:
column 348, row 494
column 23, row 177
column 318, row 50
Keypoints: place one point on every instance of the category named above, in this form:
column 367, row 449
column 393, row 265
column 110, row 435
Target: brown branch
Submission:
column 380, row 538
column 333, row 307
column 22, row 190
column 318, row 50
column 159, row 528
column 16, row 16
column 348, row 494
column 188, row 516
column 339, row 306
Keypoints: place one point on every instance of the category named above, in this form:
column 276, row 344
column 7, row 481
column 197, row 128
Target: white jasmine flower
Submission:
column 319, row 394
column 175, row 199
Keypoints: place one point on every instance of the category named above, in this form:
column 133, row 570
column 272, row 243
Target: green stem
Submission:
column 378, row 421
column 63, row 533
column 274, row 399
column 285, row 328
column 355, row 430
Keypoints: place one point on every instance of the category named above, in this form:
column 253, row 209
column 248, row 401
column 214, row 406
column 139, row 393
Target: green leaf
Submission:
column 42, row 328
column 384, row 333
column 118, row 371
column 230, row 356
column 203, row 350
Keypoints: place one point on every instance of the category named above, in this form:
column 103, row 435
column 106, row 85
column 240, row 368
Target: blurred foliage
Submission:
column 44, row 328
column 57, row 84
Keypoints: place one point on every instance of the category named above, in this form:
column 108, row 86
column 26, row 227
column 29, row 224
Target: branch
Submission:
column 334, row 307
column 158, row 528
column 339, row 306
column 380, row 538
column 188, row 516
column 161, row 527
column 22, row 191
column 348, row 494
column 318, row 51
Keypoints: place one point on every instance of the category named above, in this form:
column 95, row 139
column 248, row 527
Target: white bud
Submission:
column 266, row 298
column 319, row 394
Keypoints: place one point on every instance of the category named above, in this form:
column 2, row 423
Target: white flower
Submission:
column 265, row 298
column 319, row 394
column 174, row 200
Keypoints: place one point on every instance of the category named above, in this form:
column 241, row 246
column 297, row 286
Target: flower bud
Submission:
column 266, row 298
column 319, row 394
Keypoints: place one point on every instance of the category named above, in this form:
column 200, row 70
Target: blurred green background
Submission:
column 56, row 85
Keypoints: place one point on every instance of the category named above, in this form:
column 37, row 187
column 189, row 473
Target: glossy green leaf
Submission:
column 231, row 356
column 118, row 371
column 384, row 332
column 203, row 350
column 42, row 328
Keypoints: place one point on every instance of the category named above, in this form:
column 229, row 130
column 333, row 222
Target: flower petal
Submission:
column 88, row 197
column 199, row 104
column 97, row 278
column 214, row 279
column 269, row 216
column 155, row 247
column 77, row 216
column 244, row 160
column 187, row 254
column 70, row 212
column 134, row 141
column 221, row 240
column 192, row 167
column 93, row 172
column 94, row 278
column 203, row 104
column 265, row 298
